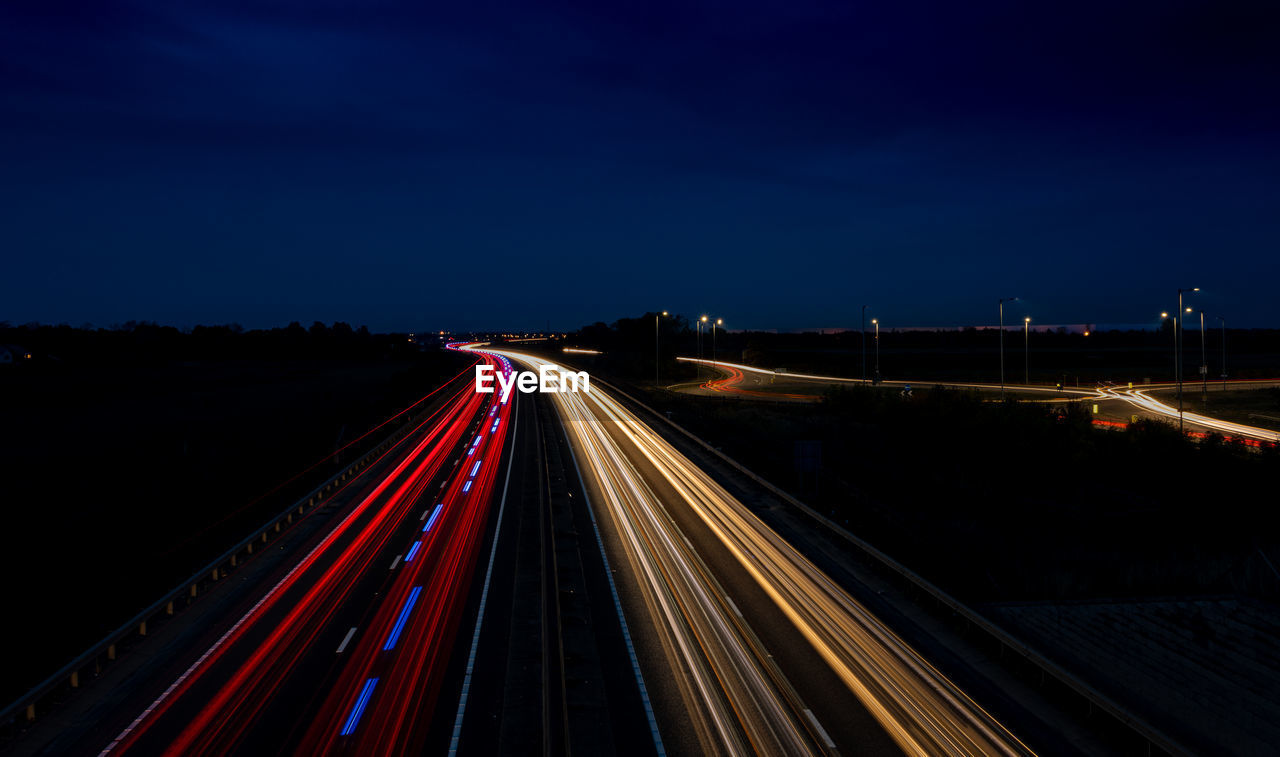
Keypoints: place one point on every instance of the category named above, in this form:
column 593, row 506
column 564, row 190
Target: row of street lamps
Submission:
column 1178, row 328
column 1026, row 343
column 713, row 324
column 875, row 322
column 1178, row 352
column 657, row 359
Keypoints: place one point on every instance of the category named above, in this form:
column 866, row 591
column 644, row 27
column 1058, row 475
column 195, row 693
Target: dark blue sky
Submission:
column 414, row 165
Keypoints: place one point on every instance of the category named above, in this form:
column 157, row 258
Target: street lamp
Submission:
column 1163, row 316
column 864, row 344
column 1224, row 352
column 1026, row 351
column 719, row 322
column 701, row 321
column 876, row 322
column 1177, row 349
column 1003, row 300
column 656, row 358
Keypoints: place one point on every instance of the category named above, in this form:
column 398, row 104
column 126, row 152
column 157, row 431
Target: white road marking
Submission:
column 736, row 611
column 821, row 731
column 346, row 639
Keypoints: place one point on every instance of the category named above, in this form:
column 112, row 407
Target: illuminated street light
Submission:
column 1026, row 350
column 1177, row 350
column 876, row 323
column 701, row 321
column 656, row 358
column 1003, row 300
column 1163, row 316
column 719, row 322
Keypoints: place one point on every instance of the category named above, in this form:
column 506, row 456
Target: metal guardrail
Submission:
column 1095, row 698
column 46, row 695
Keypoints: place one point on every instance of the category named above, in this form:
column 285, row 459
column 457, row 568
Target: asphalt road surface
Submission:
column 339, row 641
column 768, row 655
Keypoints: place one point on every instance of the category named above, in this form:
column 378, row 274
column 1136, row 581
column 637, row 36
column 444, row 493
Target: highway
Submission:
column 344, row 648
column 553, row 665
column 1140, row 399
column 1121, row 400
column 348, row 642
column 685, row 540
column 363, row 630
column 736, row 373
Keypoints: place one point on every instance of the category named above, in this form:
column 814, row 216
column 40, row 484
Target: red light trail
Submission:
column 731, row 383
column 410, row 671
column 391, row 675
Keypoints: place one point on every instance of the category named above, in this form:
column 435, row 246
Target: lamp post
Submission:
column 656, row 358
column 1177, row 349
column 1224, row 352
column 864, row 344
column 1163, row 316
column 718, row 322
column 1003, row 300
column 876, row 322
column 701, row 321
column 1182, row 351
column 1026, row 351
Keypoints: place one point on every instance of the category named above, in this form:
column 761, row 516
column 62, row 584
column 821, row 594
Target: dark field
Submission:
column 122, row 476
column 1013, row 503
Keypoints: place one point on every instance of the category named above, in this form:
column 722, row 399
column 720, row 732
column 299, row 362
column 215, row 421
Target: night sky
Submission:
column 488, row 164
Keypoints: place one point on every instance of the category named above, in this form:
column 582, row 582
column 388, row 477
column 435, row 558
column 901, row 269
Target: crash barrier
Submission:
column 57, row 688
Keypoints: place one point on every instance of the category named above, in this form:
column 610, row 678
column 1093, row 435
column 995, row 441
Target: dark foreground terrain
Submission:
column 1019, row 501
column 130, row 458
